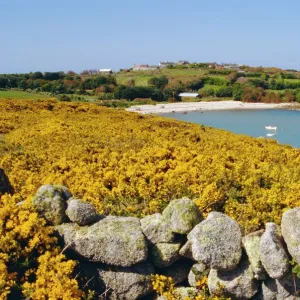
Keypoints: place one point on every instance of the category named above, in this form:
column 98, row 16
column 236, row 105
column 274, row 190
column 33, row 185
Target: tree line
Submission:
column 255, row 86
column 55, row 82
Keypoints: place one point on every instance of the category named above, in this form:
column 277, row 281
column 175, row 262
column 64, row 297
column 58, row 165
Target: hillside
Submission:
column 124, row 164
column 243, row 83
column 128, row 164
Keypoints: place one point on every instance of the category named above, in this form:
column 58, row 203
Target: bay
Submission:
column 250, row 122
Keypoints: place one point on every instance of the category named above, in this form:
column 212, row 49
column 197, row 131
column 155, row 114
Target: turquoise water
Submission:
column 250, row 122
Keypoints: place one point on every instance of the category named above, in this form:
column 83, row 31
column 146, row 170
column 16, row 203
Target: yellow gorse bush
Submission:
column 53, row 279
column 120, row 160
column 126, row 164
column 30, row 263
column 163, row 286
column 130, row 164
column 6, row 278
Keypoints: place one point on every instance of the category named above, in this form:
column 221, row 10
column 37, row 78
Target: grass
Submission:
column 292, row 80
column 275, row 91
column 140, row 77
column 174, row 75
column 212, row 86
column 218, row 76
column 208, row 99
column 22, row 95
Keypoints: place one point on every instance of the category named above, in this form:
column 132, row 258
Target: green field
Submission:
column 140, row 77
column 22, row 95
column 292, row 80
column 174, row 75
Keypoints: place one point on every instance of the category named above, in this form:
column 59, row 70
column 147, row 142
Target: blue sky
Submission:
column 76, row 35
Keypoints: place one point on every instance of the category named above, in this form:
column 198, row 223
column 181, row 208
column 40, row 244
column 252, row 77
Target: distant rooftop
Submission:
column 105, row 70
column 167, row 63
column 191, row 95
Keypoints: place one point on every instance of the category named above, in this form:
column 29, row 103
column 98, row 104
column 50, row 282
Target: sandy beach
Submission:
column 203, row 106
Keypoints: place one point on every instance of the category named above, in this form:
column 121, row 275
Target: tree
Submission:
column 158, row 95
column 207, row 91
column 195, row 85
column 159, row 82
column 53, row 75
column 22, row 85
column 173, row 93
column 224, row 91
column 253, row 94
column 289, row 96
column 237, row 91
column 265, row 76
column 297, row 95
column 3, row 82
column 37, row 75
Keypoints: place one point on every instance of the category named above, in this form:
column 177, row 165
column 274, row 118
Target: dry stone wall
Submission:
column 123, row 252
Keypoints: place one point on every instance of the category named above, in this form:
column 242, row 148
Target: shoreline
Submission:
column 185, row 107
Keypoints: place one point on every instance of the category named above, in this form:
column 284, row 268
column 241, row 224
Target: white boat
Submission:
column 270, row 134
column 268, row 127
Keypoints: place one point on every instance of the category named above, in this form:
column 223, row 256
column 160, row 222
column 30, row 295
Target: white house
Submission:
column 164, row 64
column 235, row 67
column 144, row 67
column 153, row 67
column 105, row 71
column 189, row 95
column 140, row 67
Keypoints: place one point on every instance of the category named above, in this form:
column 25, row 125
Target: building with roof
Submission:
column 219, row 67
column 105, row 71
column 183, row 62
column 189, row 95
column 210, row 64
column 235, row 67
column 164, row 64
column 140, row 67
column 153, row 67
column 144, row 67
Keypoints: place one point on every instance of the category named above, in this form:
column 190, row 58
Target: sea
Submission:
column 250, row 122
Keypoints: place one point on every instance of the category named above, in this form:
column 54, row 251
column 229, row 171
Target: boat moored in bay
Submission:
column 269, row 127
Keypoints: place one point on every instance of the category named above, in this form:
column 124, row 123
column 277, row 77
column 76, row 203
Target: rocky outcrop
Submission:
column 5, row 186
column 156, row 230
column 217, row 242
column 51, row 202
column 251, row 244
column 124, row 252
column 273, row 256
column 117, row 241
column 238, row 283
column 182, row 215
column 127, row 283
column 291, row 232
column 80, row 212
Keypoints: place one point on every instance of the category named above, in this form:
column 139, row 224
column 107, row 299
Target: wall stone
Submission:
column 217, row 242
column 124, row 252
column 273, row 256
